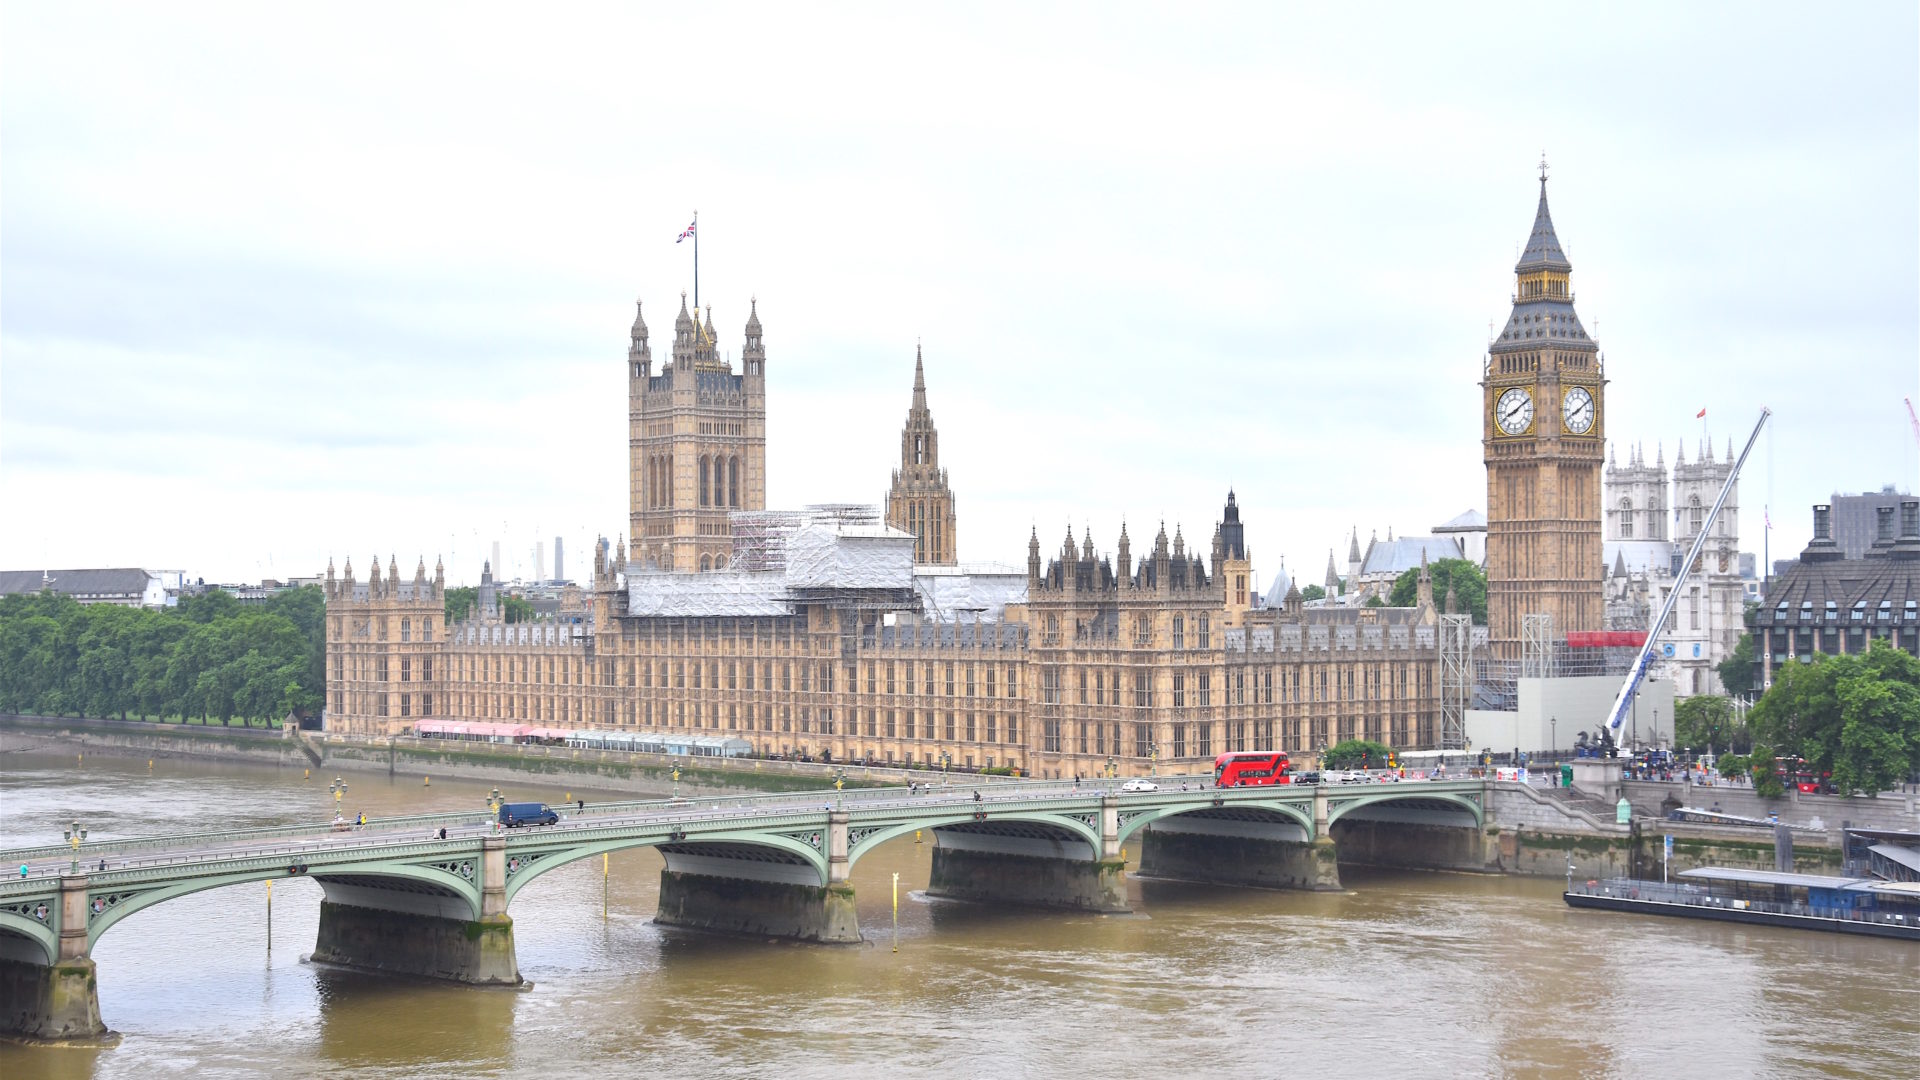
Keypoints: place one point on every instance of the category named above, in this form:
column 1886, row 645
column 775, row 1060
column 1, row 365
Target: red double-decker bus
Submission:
column 1251, row 769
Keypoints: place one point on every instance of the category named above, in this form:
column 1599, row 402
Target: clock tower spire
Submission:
column 1542, row 412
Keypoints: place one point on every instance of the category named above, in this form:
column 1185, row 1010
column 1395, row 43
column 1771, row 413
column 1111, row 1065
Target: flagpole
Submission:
column 696, row 260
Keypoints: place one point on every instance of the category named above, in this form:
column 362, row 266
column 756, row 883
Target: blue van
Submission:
column 527, row 813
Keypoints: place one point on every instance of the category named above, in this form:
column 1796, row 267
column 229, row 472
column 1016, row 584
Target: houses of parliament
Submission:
column 857, row 634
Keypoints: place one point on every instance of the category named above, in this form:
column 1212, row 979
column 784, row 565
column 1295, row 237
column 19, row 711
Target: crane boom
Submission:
column 1641, row 662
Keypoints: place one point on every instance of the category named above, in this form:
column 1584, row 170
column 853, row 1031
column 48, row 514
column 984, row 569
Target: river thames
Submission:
column 1411, row 974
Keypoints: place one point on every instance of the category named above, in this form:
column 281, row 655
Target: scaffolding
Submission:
column 1456, row 679
column 1536, row 645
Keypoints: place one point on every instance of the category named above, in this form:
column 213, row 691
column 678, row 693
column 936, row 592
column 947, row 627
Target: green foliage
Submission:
column 1469, row 586
column 1765, row 769
column 460, row 601
column 1375, row 601
column 211, row 658
column 1356, row 754
column 1313, row 592
column 464, row 602
column 1856, row 717
column 1736, row 671
column 1732, row 765
column 1708, row 720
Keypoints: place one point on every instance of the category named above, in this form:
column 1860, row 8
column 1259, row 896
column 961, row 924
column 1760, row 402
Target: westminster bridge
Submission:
column 427, row 895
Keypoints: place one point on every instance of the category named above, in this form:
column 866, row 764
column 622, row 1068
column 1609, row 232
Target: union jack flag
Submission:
column 688, row 233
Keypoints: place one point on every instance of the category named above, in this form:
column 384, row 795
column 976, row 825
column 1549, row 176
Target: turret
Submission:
column 639, row 353
column 754, row 357
column 1125, row 557
column 1033, row 560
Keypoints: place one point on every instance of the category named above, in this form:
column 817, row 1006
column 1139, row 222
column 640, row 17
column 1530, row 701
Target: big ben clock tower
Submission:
column 1542, row 416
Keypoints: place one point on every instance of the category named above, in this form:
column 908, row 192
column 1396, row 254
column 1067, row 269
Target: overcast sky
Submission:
column 278, row 285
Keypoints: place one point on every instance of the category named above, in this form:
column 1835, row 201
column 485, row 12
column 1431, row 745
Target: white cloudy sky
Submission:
column 280, row 284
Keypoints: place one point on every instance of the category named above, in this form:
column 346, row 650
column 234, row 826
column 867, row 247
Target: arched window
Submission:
column 919, row 449
column 733, row 481
column 706, row 562
column 703, row 479
column 1693, row 504
column 1626, row 519
column 719, row 562
column 666, row 483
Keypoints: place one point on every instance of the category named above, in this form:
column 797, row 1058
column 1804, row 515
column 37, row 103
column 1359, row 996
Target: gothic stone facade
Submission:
column 697, row 437
column 1161, row 666
column 1542, row 416
column 920, row 502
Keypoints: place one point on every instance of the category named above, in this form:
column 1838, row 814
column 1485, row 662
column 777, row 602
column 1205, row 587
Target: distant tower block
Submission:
column 920, row 502
column 559, row 559
column 697, row 442
column 539, row 560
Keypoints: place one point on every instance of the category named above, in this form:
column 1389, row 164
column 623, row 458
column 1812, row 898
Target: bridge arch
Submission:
column 1436, row 807
column 20, row 935
column 1083, row 828
column 1277, row 811
column 523, row 866
column 110, row 905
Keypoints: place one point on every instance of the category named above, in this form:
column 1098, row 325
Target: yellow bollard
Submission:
column 79, row 759
column 149, row 764
column 306, row 774
column 916, row 836
column 426, row 781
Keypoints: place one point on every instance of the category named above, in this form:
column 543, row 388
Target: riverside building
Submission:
column 835, row 633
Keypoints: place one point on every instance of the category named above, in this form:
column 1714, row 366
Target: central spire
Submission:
column 1543, row 246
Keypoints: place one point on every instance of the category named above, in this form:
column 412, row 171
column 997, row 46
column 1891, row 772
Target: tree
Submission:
column 1356, row 754
column 1375, row 601
column 1765, row 769
column 460, row 602
column 1855, row 717
column 1736, row 671
column 1704, row 721
column 1468, row 582
column 516, row 610
column 1313, row 592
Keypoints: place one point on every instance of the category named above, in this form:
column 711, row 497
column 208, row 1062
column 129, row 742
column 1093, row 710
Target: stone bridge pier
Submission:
column 752, row 888
column 389, row 925
column 52, row 997
column 1243, row 845
column 1031, row 864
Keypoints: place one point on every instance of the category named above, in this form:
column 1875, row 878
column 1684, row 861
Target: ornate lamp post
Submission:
column 676, row 781
column 339, row 789
column 494, row 799
column 75, row 834
column 839, row 785
column 1553, row 727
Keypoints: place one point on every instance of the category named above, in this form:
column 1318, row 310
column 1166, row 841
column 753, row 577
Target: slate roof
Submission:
column 1543, row 247
column 121, row 581
column 1398, row 556
column 1883, row 589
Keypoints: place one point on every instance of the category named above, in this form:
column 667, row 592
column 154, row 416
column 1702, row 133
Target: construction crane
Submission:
column 1643, row 661
column 1912, row 419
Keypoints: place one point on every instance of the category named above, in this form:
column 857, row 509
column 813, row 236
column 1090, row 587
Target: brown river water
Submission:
column 1403, row 974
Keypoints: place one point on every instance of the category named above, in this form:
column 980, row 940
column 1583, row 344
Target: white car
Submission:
column 1139, row 785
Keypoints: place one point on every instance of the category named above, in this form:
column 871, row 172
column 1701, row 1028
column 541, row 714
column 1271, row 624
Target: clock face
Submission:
column 1514, row 411
column 1577, row 410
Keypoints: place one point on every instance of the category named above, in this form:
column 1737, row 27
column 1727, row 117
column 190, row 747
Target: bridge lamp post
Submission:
column 493, row 802
column 339, row 789
column 1553, row 728
column 676, row 781
column 75, row 834
column 839, row 785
